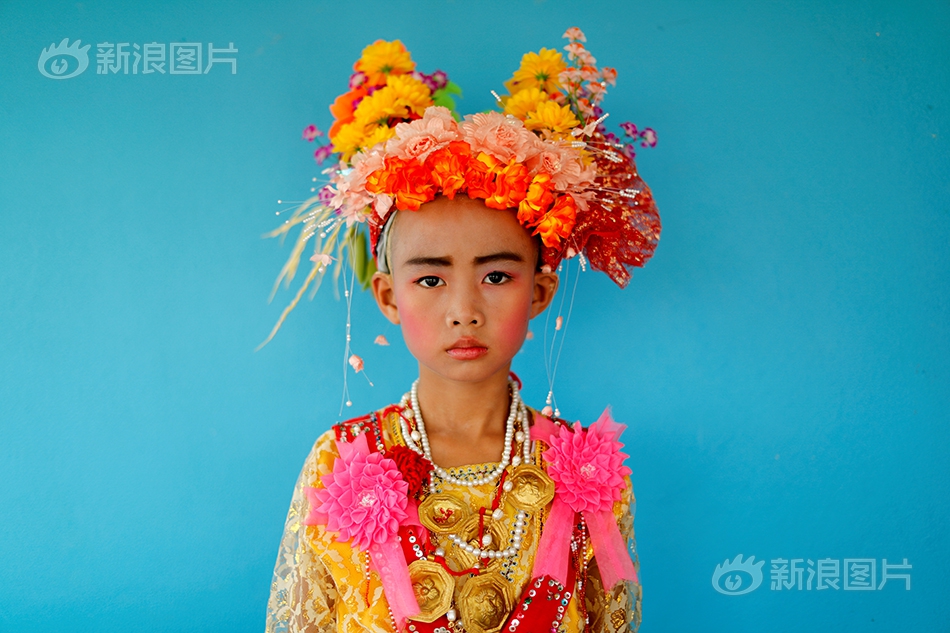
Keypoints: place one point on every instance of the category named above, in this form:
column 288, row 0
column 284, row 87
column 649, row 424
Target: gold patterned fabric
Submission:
column 321, row 585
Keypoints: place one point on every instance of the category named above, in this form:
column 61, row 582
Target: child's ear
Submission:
column 545, row 286
column 385, row 296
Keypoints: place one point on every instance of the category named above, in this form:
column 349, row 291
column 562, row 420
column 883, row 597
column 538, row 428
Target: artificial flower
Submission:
column 557, row 224
column 414, row 468
column 322, row 153
column 410, row 92
column 538, row 70
column 356, row 363
column 342, row 109
column 349, row 139
column 511, row 183
column 417, row 139
column 382, row 59
column 407, row 181
column 448, row 167
column 525, row 101
column 587, row 466
column 538, row 199
column 559, row 119
column 377, row 135
column 363, row 499
column 498, row 135
column 575, row 33
column 379, row 107
column 311, row 132
column 381, row 340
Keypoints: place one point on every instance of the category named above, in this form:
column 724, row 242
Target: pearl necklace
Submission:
column 518, row 412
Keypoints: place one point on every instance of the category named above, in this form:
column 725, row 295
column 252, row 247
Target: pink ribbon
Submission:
column 610, row 548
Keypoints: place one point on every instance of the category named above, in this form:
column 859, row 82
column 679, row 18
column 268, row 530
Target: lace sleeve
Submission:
column 302, row 595
column 618, row 609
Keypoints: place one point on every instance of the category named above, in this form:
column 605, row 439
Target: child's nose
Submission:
column 465, row 309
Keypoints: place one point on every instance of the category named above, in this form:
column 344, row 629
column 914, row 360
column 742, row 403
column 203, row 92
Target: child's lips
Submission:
column 467, row 348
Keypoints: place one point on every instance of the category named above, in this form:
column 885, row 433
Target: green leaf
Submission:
column 363, row 264
column 443, row 97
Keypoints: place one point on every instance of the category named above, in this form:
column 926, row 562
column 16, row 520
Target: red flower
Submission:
column 414, row 468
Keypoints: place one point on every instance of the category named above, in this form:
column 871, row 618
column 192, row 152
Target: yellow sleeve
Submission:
column 618, row 609
column 303, row 595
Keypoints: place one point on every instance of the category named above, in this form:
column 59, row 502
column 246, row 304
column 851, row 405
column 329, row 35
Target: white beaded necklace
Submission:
column 518, row 412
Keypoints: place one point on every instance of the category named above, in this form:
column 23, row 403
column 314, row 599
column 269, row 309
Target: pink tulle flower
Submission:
column 356, row 363
column 364, row 499
column 503, row 137
column 421, row 137
column 587, row 467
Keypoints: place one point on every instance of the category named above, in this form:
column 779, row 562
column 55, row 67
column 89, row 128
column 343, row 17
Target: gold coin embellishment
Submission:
column 531, row 489
column 433, row 587
column 469, row 531
column 485, row 602
column 443, row 513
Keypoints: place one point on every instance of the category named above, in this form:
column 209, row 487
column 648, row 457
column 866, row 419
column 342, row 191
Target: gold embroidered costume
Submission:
column 322, row 585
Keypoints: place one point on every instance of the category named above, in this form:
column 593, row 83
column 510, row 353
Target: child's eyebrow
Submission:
column 430, row 261
column 503, row 256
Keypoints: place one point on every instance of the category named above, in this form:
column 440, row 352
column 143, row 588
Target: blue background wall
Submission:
column 782, row 363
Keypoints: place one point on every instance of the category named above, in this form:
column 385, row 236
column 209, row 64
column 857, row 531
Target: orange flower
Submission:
column 406, row 180
column 480, row 176
column 448, row 166
column 537, row 200
column 511, row 184
column 557, row 223
column 342, row 109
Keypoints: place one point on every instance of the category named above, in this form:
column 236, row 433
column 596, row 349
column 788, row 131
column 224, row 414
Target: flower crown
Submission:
column 547, row 154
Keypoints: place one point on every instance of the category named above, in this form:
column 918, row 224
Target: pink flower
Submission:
column 630, row 129
column 575, row 33
column 649, row 137
column 322, row 259
column 356, row 363
column 381, row 340
column 364, row 498
column 563, row 163
column 357, row 79
column 503, row 137
column 587, row 467
column 311, row 132
column 609, row 75
column 322, row 153
column 435, row 130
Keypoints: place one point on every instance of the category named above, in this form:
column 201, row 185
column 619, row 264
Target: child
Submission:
column 460, row 509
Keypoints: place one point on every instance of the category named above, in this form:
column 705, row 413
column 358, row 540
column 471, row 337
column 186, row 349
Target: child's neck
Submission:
column 465, row 421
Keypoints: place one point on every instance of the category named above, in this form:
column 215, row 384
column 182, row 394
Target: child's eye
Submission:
column 430, row 281
column 497, row 277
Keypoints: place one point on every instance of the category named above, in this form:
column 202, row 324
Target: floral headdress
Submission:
column 547, row 154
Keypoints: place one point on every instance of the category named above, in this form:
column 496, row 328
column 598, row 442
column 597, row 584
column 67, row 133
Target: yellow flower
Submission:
column 525, row 101
column 410, row 92
column 349, row 139
column 379, row 108
column 382, row 58
column 538, row 70
column 552, row 116
column 380, row 134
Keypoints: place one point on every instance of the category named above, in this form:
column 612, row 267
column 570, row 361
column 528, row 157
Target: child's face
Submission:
column 463, row 285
